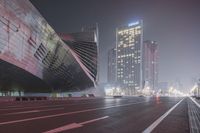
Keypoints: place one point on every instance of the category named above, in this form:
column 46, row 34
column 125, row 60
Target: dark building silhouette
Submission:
column 112, row 66
column 150, row 64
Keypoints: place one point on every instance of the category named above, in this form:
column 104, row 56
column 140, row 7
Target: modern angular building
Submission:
column 150, row 64
column 33, row 58
column 83, row 46
column 129, row 57
column 112, row 66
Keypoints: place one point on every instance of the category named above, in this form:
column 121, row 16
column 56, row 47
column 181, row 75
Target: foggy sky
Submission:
column 174, row 24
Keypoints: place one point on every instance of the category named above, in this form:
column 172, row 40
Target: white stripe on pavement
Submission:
column 74, row 125
column 65, row 128
column 23, row 112
column 47, row 106
column 68, row 113
column 93, row 120
column 33, row 111
column 198, row 105
column 159, row 120
column 14, row 106
column 20, row 108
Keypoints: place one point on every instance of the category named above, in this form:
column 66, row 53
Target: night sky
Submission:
column 174, row 24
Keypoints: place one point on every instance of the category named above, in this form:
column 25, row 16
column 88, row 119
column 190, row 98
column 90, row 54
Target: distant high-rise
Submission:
column 163, row 86
column 150, row 64
column 112, row 65
column 129, row 57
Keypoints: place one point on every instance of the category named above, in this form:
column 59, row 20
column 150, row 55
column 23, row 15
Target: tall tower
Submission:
column 112, row 65
column 150, row 64
column 129, row 57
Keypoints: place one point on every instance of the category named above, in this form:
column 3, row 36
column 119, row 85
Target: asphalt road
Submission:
column 100, row 115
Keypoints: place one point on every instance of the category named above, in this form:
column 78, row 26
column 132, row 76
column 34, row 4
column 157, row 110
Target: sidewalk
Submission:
column 194, row 115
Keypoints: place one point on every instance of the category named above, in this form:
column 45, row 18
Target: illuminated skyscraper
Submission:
column 129, row 57
column 150, row 63
column 112, row 65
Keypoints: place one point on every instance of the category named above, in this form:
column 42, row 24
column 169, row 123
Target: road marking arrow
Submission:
column 74, row 125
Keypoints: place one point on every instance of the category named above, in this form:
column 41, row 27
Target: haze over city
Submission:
column 173, row 24
column 100, row 66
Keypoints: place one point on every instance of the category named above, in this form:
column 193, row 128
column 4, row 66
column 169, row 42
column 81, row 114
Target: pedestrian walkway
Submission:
column 194, row 116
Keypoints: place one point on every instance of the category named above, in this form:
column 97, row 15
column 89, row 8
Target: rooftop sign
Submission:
column 134, row 23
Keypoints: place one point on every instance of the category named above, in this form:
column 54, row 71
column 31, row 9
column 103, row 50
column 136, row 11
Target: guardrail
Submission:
column 6, row 98
column 30, row 98
column 37, row 98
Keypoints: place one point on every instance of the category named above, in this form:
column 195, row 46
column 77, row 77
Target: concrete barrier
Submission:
column 38, row 98
column 30, row 98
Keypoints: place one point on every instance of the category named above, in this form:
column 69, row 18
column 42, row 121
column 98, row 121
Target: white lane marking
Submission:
column 13, row 106
column 74, row 125
column 47, row 106
column 93, row 120
column 68, row 113
column 159, row 120
column 31, row 107
column 33, row 111
column 65, row 128
column 23, row 112
column 198, row 105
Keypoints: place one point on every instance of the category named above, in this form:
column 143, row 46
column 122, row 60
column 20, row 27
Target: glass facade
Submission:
column 129, row 57
column 28, row 43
